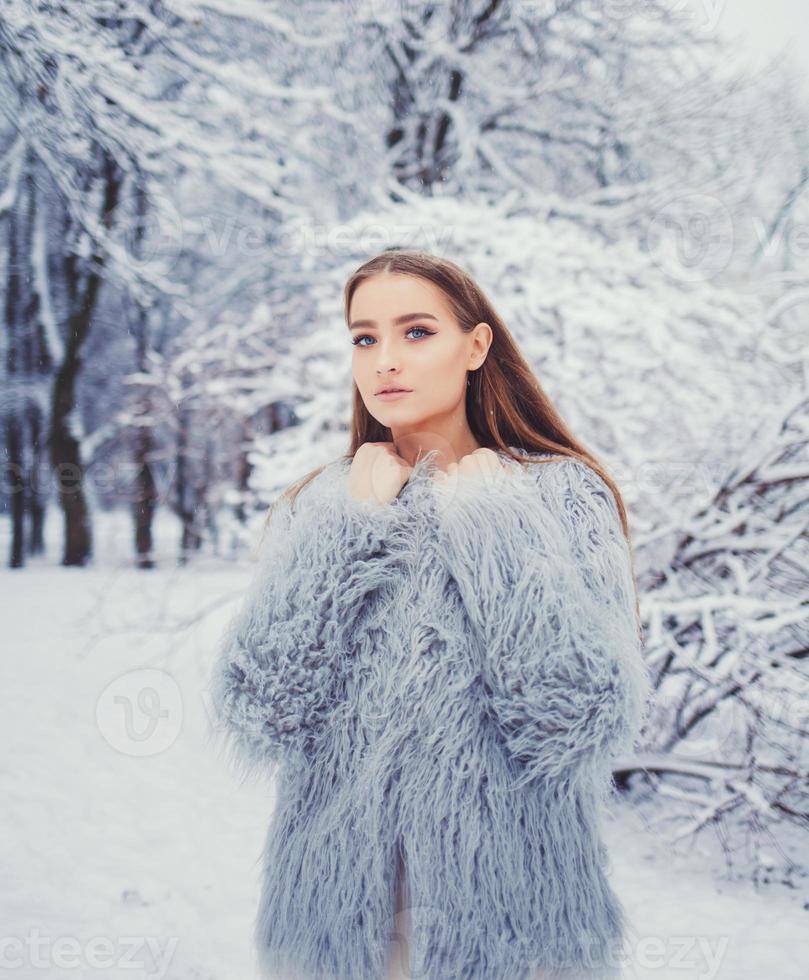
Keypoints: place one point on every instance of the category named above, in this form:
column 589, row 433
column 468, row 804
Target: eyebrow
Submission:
column 399, row 319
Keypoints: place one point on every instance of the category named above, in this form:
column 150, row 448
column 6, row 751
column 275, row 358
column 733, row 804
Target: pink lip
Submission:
column 390, row 396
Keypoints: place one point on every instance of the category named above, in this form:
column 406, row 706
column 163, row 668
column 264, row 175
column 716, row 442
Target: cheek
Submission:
column 438, row 365
column 362, row 368
column 439, row 382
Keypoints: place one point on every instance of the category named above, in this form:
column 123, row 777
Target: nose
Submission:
column 386, row 375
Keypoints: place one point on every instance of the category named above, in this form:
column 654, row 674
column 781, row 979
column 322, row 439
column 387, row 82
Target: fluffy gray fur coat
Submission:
column 444, row 679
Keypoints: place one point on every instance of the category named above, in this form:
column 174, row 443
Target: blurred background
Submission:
column 185, row 186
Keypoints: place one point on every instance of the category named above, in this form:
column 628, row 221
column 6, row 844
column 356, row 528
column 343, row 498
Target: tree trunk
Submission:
column 16, row 487
column 64, row 446
column 185, row 491
column 145, row 500
column 35, row 498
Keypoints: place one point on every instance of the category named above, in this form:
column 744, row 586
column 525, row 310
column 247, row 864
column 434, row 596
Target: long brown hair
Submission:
column 505, row 403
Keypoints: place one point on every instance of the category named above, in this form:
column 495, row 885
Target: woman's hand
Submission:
column 377, row 472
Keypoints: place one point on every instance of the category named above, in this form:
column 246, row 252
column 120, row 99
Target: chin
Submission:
column 396, row 410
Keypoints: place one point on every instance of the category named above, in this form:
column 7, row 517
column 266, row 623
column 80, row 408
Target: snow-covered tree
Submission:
column 116, row 116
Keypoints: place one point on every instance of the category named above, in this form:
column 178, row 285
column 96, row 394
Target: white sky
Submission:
column 765, row 25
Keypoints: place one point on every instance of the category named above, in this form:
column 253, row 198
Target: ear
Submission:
column 482, row 341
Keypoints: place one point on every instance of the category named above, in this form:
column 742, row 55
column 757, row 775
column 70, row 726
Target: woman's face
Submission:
column 404, row 334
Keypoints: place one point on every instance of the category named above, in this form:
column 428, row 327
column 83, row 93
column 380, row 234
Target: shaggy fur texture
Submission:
column 444, row 680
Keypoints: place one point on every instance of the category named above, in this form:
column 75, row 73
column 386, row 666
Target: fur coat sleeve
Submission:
column 284, row 652
column 544, row 570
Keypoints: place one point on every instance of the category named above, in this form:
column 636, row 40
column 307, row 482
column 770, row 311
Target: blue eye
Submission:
column 356, row 340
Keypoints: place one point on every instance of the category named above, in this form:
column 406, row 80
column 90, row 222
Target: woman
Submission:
column 441, row 648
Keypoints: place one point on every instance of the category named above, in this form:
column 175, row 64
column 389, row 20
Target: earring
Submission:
column 468, row 382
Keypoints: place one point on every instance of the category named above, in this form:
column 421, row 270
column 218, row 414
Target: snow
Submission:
column 132, row 851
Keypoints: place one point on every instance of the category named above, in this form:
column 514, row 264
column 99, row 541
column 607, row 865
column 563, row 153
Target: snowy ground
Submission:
column 131, row 851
